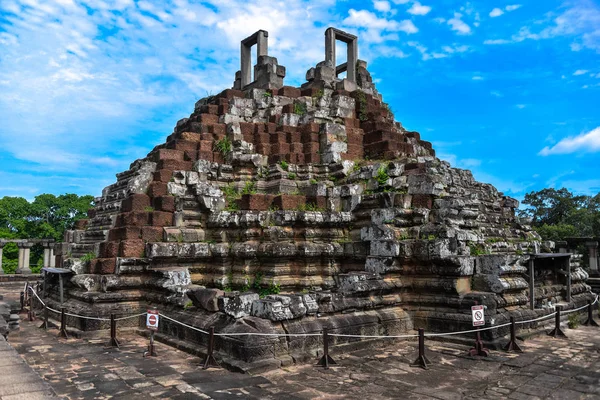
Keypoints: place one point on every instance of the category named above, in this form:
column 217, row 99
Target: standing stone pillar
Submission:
column 593, row 251
column 2, row 243
column 24, row 257
column 261, row 40
column 52, row 256
column 47, row 253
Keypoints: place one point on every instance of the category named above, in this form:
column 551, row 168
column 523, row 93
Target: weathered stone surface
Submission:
column 206, row 299
column 237, row 305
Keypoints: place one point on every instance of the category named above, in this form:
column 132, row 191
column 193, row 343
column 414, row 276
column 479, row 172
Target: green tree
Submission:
column 47, row 217
column 557, row 213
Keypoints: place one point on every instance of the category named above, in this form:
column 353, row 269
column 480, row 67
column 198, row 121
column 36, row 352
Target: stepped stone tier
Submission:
column 282, row 209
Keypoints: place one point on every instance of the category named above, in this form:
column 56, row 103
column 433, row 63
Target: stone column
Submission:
column 330, row 47
column 260, row 39
column 52, row 257
column 593, row 251
column 2, row 243
column 24, row 257
column 47, row 250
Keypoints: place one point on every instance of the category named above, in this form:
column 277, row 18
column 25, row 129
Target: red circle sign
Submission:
column 152, row 320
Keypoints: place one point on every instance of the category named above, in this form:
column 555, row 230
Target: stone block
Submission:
column 163, row 175
column 164, row 203
column 167, row 154
column 135, row 202
column 270, row 309
column 206, row 299
column 175, row 165
column 103, row 266
column 257, row 202
column 131, row 248
column 289, row 201
column 132, row 218
column 190, row 136
column 237, row 306
column 289, row 91
column 81, row 224
column 152, row 234
column 422, row 201
column 109, row 249
column 157, row 189
column 125, row 233
column 161, row 218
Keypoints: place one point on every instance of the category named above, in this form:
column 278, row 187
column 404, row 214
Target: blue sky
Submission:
column 508, row 89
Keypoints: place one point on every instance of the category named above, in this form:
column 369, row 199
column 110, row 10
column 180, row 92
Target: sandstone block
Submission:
column 103, row 266
column 161, row 218
column 164, row 203
column 125, row 233
column 135, row 202
column 288, row 91
column 131, row 248
column 133, row 218
column 163, row 175
column 258, row 202
column 109, row 249
column 156, row 189
column 152, row 233
column 206, row 299
column 289, row 202
column 237, row 306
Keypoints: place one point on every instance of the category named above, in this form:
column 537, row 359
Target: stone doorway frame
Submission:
column 261, row 40
column 333, row 34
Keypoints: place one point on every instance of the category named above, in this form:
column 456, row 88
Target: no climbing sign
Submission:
column 478, row 315
column 152, row 320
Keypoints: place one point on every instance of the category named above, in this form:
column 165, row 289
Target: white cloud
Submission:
column 496, row 12
column 418, row 9
column 366, row 19
column 477, row 78
column 383, row 6
column 580, row 72
column 512, row 7
column 496, row 93
column 458, row 25
column 521, row 106
column 581, row 21
column 583, row 143
column 400, row 1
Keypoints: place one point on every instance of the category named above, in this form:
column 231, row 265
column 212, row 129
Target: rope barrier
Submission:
column 233, row 334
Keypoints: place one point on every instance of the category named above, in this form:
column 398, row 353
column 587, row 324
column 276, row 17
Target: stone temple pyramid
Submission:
column 284, row 209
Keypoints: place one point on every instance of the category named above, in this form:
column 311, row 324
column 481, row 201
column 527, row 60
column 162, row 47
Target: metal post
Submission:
column 63, row 324
column 422, row 360
column 531, row 283
column 151, row 351
column 22, row 302
column 512, row 344
column 113, row 342
column 210, row 359
column 557, row 332
column 44, row 324
column 326, row 359
column 590, row 319
column 60, row 279
column 478, row 350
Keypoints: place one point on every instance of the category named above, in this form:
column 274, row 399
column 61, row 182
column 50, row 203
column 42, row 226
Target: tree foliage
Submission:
column 46, row 217
column 557, row 213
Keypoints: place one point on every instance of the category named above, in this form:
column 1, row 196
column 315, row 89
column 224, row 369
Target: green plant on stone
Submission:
column 88, row 257
column 573, row 321
column 300, row 108
column 477, row 249
column 313, row 181
column 362, row 106
column 284, row 165
column 249, row 188
column 188, row 304
column 267, row 94
column 382, row 177
column 223, row 146
column 148, row 209
column 292, row 176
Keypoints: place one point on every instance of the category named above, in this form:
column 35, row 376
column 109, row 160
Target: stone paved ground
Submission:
column 85, row 369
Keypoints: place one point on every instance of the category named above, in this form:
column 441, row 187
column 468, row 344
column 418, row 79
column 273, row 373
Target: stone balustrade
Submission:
column 25, row 246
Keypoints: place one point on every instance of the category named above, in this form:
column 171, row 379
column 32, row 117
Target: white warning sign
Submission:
column 152, row 320
column 478, row 315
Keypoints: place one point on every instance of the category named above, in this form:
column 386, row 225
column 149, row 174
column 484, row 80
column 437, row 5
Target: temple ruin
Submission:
column 284, row 209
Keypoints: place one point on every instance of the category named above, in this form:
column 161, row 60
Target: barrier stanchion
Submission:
column 512, row 344
column 479, row 350
column 590, row 319
column 113, row 342
column 152, row 318
column 210, row 359
column 422, row 360
column 326, row 359
column 557, row 332
column 44, row 324
column 63, row 324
